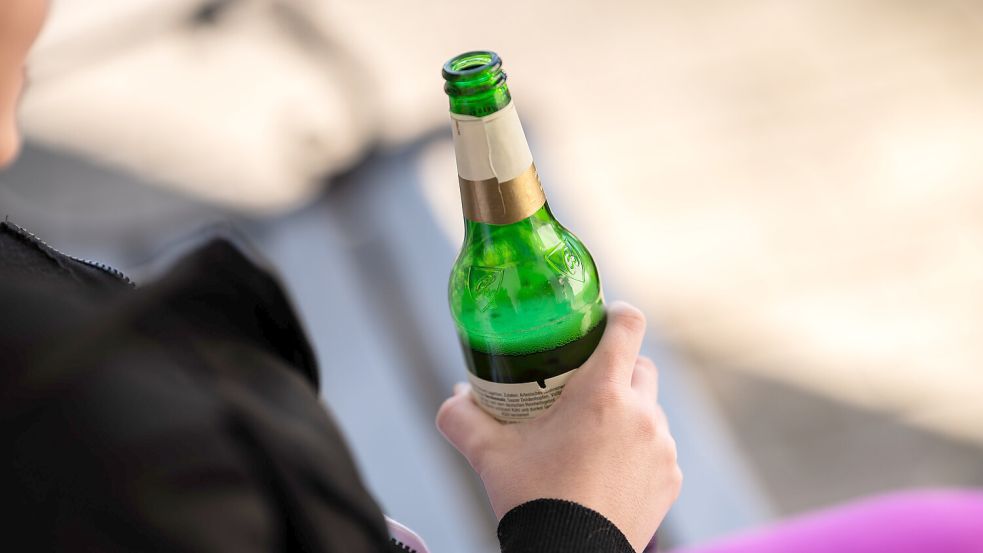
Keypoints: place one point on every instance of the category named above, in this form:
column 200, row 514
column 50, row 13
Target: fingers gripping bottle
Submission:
column 524, row 292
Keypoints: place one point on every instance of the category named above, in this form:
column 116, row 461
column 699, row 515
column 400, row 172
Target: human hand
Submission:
column 604, row 443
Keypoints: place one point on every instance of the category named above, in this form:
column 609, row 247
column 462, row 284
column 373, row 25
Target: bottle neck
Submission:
column 498, row 180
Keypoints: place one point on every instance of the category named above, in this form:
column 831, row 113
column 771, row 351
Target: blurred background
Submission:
column 792, row 191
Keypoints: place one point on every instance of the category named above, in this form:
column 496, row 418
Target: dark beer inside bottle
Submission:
column 533, row 367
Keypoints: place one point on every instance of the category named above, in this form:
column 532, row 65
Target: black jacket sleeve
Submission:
column 559, row 526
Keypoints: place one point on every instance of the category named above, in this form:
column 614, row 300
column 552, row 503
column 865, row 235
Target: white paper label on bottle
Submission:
column 491, row 147
column 517, row 402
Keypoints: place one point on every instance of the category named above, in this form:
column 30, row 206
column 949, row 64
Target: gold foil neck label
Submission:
column 502, row 203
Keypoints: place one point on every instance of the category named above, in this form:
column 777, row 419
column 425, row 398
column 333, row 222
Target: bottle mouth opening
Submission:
column 470, row 64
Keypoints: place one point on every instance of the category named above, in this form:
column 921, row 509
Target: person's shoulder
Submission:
column 24, row 257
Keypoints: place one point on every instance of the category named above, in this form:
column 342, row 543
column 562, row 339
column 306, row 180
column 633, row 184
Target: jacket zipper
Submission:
column 402, row 546
column 112, row 271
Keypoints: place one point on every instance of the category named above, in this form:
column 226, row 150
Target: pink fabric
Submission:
column 937, row 521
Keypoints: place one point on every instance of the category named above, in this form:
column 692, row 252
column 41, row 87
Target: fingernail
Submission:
column 460, row 388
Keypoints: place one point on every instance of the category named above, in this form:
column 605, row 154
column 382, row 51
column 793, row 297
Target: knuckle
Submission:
column 607, row 397
column 445, row 414
column 631, row 319
column 669, row 447
column 676, row 478
column 647, row 424
column 646, row 363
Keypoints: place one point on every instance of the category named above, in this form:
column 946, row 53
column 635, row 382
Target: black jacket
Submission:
column 184, row 416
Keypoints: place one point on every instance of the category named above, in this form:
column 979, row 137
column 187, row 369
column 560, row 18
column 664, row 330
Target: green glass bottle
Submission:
column 524, row 292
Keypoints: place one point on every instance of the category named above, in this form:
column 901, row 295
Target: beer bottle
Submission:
column 524, row 292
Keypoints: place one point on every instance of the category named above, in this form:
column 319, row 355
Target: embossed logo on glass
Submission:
column 563, row 258
column 483, row 283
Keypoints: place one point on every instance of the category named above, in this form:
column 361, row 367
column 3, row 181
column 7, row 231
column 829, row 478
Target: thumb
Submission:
column 616, row 354
column 465, row 425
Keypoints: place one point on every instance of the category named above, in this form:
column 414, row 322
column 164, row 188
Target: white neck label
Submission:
column 491, row 147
